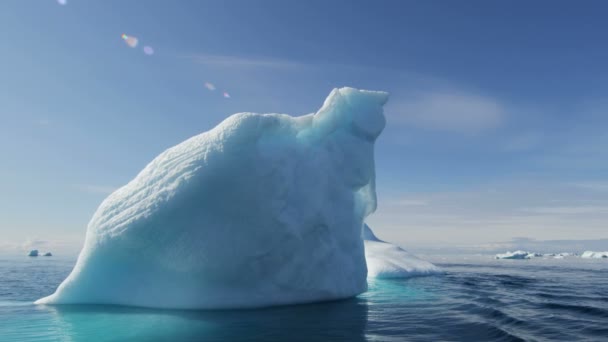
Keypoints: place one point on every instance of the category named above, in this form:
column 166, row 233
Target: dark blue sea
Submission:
column 477, row 299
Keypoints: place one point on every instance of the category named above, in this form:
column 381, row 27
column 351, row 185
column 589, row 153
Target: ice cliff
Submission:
column 264, row 209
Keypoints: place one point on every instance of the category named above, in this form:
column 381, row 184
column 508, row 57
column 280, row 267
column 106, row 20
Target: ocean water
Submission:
column 477, row 299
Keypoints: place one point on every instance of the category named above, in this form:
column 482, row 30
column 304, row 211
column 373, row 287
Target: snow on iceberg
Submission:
column 264, row 209
column 594, row 255
column 385, row 260
column 516, row 255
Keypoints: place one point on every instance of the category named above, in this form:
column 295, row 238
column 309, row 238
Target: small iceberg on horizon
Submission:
column 594, row 255
column 523, row 255
column 33, row 253
column 564, row 255
column 517, row 255
column 48, row 254
column 262, row 210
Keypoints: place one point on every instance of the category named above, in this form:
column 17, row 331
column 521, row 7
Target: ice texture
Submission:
column 516, row 255
column 594, row 255
column 385, row 260
column 264, row 209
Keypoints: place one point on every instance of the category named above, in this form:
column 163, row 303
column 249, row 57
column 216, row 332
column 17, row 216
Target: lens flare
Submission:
column 130, row 40
column 226, row 95
column 209, row 86
column 148, row 50
column 62, row 2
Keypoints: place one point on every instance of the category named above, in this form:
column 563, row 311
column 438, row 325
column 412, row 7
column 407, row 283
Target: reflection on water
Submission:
column 340, row 320
column 479, row 300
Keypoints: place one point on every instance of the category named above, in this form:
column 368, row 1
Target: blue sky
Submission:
column 496, row 123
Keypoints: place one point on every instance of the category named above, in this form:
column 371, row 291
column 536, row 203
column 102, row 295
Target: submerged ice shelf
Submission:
column 385, row 260
column 264, row 209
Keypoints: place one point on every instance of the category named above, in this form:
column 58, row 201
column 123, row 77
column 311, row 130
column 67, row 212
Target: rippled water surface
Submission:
column 478, row 299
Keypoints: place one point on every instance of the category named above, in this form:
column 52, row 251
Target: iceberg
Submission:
column 385, row 260
column 519, row 255
column 558, row 255
column 564, row 255
column 33, row 253
column 594, row 255
column 47, row 254
column 264, row 209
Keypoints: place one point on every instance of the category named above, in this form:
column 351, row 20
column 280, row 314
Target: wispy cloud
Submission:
column 523, row 142
column 446, row 111
column 245, row 62
column 42, row 122
column 598, row 186
column 408, row 202
column 34, row 243
column 494, row 212
column 528, row 244
column 95, row 189
column 568, row 210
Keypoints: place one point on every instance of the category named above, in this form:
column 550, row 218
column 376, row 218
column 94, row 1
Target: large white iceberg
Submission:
column 264, row 209
column 594, row 255
column 385, row 260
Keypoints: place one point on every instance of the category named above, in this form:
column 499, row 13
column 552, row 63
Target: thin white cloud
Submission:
column 594, row 186
column 33, row 243
column 408, row 202
column 568, row 210
column 444, row 111
column 245, row 62
column 494, row 212
column 42, row 122
column 523, row 142
column 534, row 245
column 95, row 189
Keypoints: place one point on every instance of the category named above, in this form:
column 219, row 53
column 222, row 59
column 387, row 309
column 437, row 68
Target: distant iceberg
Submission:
column 520, row 255
column 385, row 260
column 594, row 255
column 47, row 254
column 33, row 253
column 564, row 255
column 264, row 209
